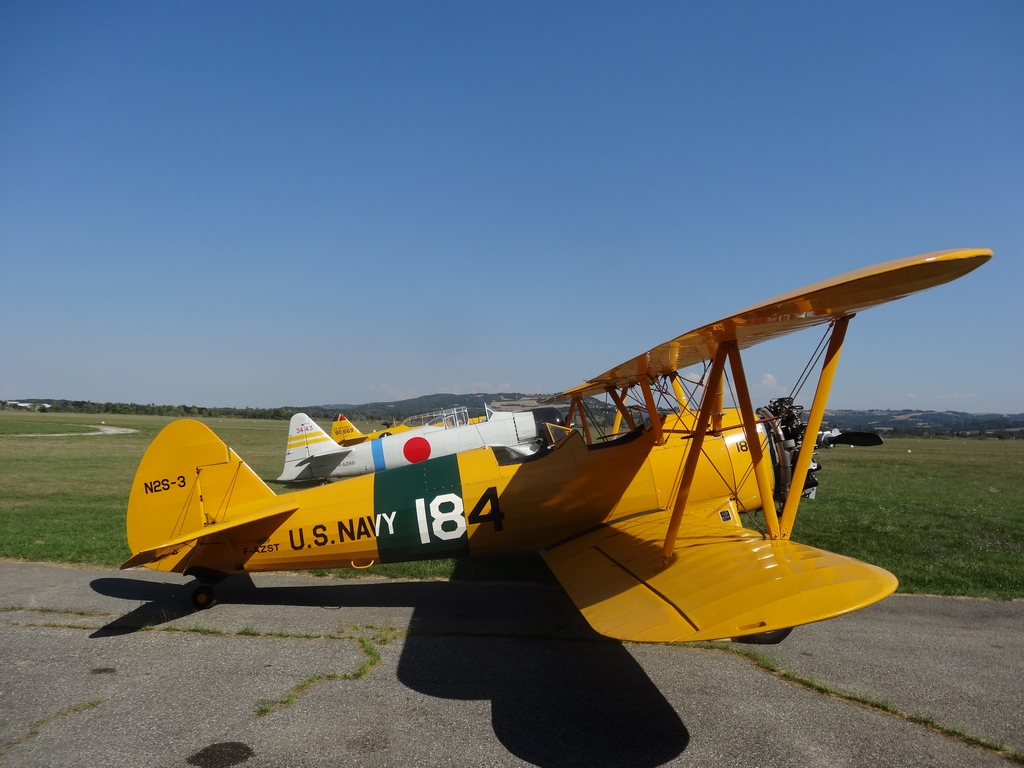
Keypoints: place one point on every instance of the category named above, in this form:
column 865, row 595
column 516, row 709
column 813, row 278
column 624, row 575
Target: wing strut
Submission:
column 679, row 391
column 718, row 407
column 652, row 410
column 681, row 398
column 714, row 382
column 576, row 406
column 764, row 488
column 585, row 422
column 622, row 411
column 803, row 459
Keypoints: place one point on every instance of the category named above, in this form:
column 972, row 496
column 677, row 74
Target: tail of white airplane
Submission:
column 305, row 440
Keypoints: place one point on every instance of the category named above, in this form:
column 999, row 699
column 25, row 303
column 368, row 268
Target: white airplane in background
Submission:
column 311, row 454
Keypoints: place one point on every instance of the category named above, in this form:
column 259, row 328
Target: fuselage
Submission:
column 312, row 455
column 469, row 502
column 419, row 444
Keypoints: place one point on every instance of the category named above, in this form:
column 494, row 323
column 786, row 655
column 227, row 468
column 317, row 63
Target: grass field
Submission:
column 946, row 516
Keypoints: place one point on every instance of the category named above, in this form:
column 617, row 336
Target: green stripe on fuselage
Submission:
column 439, row 487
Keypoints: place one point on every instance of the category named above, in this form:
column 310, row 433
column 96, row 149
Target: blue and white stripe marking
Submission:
column 377, row 448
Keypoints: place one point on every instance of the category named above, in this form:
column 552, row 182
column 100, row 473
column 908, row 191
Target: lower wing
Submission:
column 723, row 580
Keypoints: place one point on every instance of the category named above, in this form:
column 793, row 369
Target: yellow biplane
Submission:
column 639, row 522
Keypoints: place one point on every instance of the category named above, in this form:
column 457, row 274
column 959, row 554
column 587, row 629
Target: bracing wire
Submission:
column 818, row 352
column 728, row 383
column 691, row 391
column 588, row 414
column 664, row 399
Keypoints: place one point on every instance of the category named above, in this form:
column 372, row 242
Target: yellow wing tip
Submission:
column 975, row 256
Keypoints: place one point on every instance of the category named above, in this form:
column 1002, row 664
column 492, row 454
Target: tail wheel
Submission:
column 204, row 596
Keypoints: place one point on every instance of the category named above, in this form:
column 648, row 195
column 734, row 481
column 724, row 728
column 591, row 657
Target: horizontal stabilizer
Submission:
column 168, row 548
column 723, row 581
column 332, row 458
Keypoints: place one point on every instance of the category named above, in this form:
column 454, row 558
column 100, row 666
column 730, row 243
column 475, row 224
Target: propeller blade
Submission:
column 862, row 439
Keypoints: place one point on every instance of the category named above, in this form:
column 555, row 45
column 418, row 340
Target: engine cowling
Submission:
column 786, row 431
column 786, row 434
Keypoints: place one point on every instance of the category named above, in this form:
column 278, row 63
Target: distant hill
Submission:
column 904, row 422
column 909, row 422
column 403, row 409
column 383, row 411
column 885, row 422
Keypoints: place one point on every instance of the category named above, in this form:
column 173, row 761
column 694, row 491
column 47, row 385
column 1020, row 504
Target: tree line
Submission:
column 950, row 424
column 152, row 409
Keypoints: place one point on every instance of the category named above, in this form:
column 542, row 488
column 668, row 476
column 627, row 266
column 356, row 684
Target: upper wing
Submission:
column 793, row 311
column 724, row 581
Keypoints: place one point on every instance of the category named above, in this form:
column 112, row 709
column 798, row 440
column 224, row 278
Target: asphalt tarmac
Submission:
column 108, row 668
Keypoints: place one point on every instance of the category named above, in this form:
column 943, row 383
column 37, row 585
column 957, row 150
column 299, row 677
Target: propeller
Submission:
column 860, row 439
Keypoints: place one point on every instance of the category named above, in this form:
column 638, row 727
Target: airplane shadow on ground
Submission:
column 560, row 695
column 166, row 602
column 553, row 702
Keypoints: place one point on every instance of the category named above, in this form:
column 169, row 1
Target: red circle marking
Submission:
column 416, row 449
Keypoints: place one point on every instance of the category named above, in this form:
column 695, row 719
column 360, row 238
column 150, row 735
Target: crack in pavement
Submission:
column 924, row 720
column 34, row 729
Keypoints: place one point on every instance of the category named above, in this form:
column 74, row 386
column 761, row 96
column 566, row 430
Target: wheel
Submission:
column 774, row 637
column 204, row 596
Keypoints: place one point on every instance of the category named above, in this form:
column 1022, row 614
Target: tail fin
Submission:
column 305, row 440
column 344, row 432
column 186, row 481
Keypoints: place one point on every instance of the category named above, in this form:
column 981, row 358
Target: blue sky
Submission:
column 282, row 204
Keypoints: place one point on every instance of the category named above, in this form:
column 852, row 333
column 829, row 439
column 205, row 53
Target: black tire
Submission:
column 204, row 596
column 774, row 637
